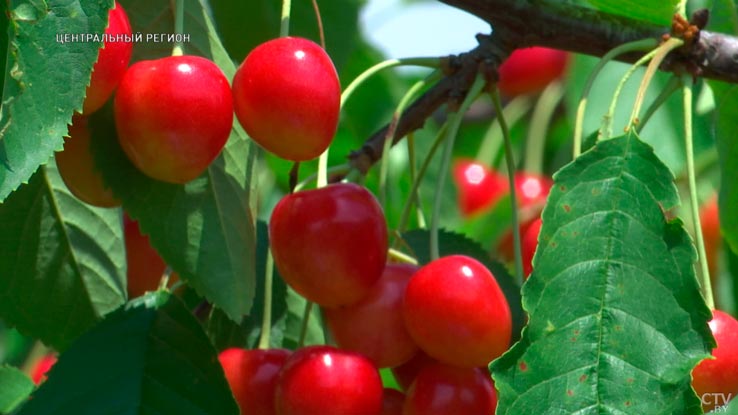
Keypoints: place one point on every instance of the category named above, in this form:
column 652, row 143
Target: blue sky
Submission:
column 427, row 28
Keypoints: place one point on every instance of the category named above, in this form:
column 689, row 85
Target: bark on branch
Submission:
column 559, row 25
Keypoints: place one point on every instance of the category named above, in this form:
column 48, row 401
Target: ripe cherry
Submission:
column 173, row 116
column 287, row 96
column 392, row 402
column 447, row 390
column 456, row 312
column 479, row 187
column 328, row 381
column 145, row 266
column 716, row 380
column 532, row 189
column 530, row 244
column 529, row 70
column 112, row 61
column 329, row 244
column 405, row 373
column 38, row 373
column 374, row 326
column 252, row 376
column 77, row 167
column 710, row 221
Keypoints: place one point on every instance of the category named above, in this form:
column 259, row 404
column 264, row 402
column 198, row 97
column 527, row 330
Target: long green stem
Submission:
column 672, row 86
column 514, row 111
column 305, row 322
column 415, row 195
column 426, row 62
column 653, row 66
column 178, row 49
column 638, row 45
column 319, row 21
column 284, row 26
column 340, row 169
column 607, row 120
column 535, row 144
column 453, row 130
column 510, row 161
column 706, row 284
column 266, row 319
column 404, row 102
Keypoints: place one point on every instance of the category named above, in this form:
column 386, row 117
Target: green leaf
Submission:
column 62, row 262
column 45, row 81
column 150, row 358
column 15, row 387
column 450, row 243
column 204, row 229
column 726, row 133
column 653, row 11
column 616, row 320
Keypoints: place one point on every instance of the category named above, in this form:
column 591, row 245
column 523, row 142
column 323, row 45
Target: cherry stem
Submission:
column 653, row 66
column 514, row 111
column 364, row 76
column 404, row 102
column 341, row 169
column 543, row 112
column 682, row 8
column 305, row 322
column 706, row 284
column 605, row 131
column 178, row 49
column 284, row 27
column 455, row 119
column 672, row 86
column 638, row 45
column 164, row 280
column 440, row 136
column 319, row 20
column 414, row 195
column 294, row 176
column 323, row 169
column 401, row 257
column 38, row 350
column 266, row 318
column 510, row 161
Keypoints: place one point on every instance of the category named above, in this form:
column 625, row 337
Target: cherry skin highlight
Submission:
column 173, row 116
column 374, row 326
column 77, row 167
column 328, row 381
column 479, row 187
column 456, row 312
column 287, row 96
column 252, row 376
column 329, row 244
column 112, row 61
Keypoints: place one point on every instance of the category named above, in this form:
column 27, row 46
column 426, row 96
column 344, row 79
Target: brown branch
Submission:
column 558, row 25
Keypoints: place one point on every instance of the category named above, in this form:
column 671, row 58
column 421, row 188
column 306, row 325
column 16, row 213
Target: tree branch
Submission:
column 558, row 25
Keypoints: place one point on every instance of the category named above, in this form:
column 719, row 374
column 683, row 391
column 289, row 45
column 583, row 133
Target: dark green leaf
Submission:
column 654, row 11
column 45, row 81
column 150, row 358
column 205, row 229
column 616, row 320
column 727, row 132
column 15, row 387
column 62, row 262
column 452, row 243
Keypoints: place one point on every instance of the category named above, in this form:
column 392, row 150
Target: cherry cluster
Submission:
column 439, row 325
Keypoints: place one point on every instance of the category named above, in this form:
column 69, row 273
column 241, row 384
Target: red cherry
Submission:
column 38, row 373
column 716, row 380
column 112, row 61
column 252, row 376
column 287, row 96
column 710, row 221
column 479, row 187
column 145, row 266
column 529, row 245
column 173, row 116
column 446, row 390
column 529, row 70
column 374, row 326
column 456, row 312
column 392, row 402
column 328, row 381
column 532, row 189
column 329, row 244
column 77, row 167
column 405, row 373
